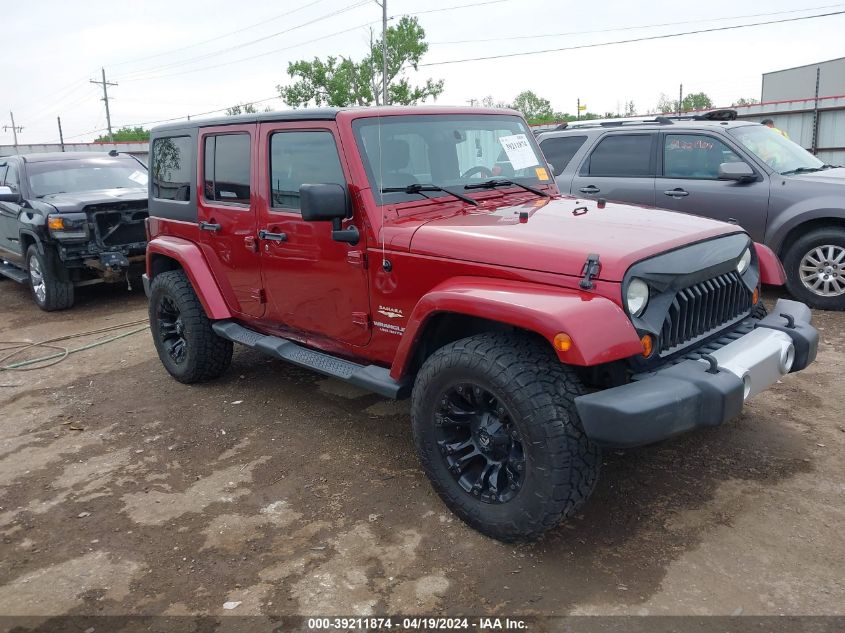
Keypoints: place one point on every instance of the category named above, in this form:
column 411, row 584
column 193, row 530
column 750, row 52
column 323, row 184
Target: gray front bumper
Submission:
column 697, row 393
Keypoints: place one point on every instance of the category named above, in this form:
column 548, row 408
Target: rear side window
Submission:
column 560, row 150
column 171, row 167
column 11, row 179
column 622, row 155
column 226, row 168
column 297, row 158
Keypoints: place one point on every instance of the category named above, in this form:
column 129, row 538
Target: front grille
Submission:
column 704, row 307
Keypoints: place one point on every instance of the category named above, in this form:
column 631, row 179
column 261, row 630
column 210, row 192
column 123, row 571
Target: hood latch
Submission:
column 590, row 271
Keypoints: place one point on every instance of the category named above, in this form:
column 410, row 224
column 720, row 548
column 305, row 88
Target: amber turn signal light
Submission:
column 648, row 345
column 563, row 342
column 755, row 296
column 55, row 223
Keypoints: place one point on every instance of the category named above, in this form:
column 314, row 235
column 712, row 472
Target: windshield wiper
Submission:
column 420, row 189
column 804, row 170
column 501, row 182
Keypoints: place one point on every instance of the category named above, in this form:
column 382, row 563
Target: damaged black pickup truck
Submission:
column 71, row 219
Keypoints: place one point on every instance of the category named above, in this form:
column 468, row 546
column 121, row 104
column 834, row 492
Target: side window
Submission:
column 297, row 158
column 621, row 155
column 560, row 150
column 171, row 167
column 226, row 168
column 695, row 156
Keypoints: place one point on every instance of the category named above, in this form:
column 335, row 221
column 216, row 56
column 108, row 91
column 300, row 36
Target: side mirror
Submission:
column 741, row 172
column 7, row 195
column 328, row 202
column 551, row 168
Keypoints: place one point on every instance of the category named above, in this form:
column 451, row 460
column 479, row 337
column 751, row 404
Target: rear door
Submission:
column 621, row 166
column 315, row 285
column 690, row 182
column 227, row 212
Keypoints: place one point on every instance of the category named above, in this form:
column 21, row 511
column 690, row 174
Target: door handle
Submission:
column 272, row 237
column 589, row 189
column 209, row 226
column 676, row 193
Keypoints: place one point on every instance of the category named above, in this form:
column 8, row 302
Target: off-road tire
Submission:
column 206, row 355
column 561, row 464
column 833, row 236
column 53, row 291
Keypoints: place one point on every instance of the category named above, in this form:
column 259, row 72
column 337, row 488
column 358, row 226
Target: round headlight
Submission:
column 636, row 297
column 744, row 262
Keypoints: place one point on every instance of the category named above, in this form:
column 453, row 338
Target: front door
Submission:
column 690, row 183
column 314, row 284
column 227, row 214
column 9, row 212
column 620, row 167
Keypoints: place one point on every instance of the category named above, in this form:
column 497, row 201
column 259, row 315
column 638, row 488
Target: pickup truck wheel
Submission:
column 187, row 346
column 498, row 435
column 815, row 268
column 49, row 291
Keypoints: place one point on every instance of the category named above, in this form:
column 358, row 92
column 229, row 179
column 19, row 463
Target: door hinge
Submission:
column 361, row 319
column 259, row 295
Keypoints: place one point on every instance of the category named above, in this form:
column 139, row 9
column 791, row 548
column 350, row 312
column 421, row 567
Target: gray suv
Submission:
column 736, row 171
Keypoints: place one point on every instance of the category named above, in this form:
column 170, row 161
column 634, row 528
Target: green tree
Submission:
column 696, row 101
column 243, row 108
column 630, row 109
column 533, row 107
column 340, row 81
column 126, row 134
column 745, row 101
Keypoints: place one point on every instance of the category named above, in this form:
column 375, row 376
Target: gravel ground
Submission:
column 125, row 492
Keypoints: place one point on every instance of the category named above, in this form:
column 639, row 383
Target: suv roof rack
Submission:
column 661, row 119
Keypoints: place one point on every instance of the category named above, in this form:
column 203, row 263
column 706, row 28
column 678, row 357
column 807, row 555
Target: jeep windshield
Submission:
column 90, row 174
column 777, row 152
column 448, row 151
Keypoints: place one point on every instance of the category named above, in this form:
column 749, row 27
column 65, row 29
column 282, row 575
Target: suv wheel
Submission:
column 498, row 435
column 815, row 268
column 49, row 291
column 187, row 346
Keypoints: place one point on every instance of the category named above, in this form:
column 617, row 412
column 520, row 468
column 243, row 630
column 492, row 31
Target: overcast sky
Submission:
column 173, row 58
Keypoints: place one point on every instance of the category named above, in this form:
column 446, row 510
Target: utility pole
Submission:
column 61, row 137
column 15, row 129
column 578, row 109
column 105, row 84
column 680, row 98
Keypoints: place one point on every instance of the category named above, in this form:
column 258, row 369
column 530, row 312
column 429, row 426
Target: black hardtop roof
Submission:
column 44, row 157
column 323, row 114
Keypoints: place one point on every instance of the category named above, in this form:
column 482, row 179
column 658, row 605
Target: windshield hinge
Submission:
column 590, row 271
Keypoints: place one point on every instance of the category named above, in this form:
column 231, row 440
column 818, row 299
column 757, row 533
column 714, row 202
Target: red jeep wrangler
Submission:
column 427, row 252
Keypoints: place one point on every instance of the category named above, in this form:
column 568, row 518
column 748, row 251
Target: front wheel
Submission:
column 497, row 432
column 49, row 291
column 187, row 346
column 815, row 268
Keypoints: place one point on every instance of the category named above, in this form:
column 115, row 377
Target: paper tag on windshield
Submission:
column 139, row 177
column 519, row 151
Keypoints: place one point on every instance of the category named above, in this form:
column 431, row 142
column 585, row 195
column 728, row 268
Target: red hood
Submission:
column 558, row 235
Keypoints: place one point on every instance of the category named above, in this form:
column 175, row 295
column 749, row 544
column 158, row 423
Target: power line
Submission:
column 349, row 7
column 306, row 42
column 628, row 28
column 219, row 37
column 630, row 41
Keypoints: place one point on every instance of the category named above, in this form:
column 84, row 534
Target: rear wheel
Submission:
column 187, row 346
column 49, row 291
column 497, row 433
column 815, row 268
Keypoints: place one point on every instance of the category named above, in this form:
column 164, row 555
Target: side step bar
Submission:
column 13, row 272
column 371, row 377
